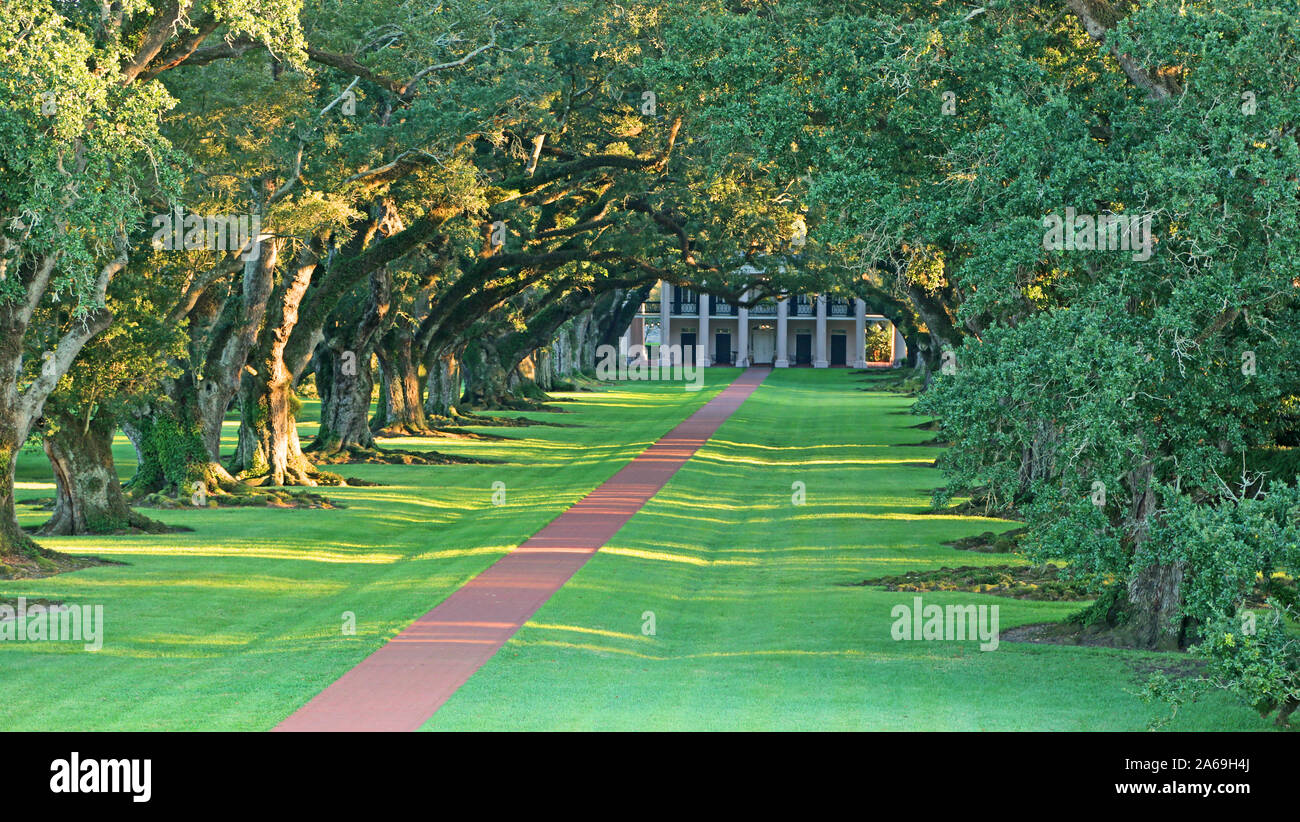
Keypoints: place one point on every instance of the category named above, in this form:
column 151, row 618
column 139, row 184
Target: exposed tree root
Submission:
column 512, row 403
column 135, row 523
column 46, row 563
column 221, row 490
column 254, row 498
column 405, row 430
column 298, row 471
column 978, row 505
column 1071, row 633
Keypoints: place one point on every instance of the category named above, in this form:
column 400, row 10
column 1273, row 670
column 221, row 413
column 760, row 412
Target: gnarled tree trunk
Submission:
column 89, row 499
column 401, row 410
column 487, row 378
column 269, row 451
column 1154, row 607
column 171, row 455
column 14, row 542
column 442, row 386
column 345, row 384
column 20, row 409
column 343, row 375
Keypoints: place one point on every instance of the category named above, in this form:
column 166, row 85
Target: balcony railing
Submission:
column 719, row 308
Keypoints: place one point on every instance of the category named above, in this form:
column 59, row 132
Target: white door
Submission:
column 764, row 347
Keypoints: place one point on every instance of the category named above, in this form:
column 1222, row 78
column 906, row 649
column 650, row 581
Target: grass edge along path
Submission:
column 401, row 685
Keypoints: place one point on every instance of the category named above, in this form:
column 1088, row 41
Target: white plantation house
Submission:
column 798, row 330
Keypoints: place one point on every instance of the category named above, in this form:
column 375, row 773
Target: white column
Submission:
column 742, row 337
column 702, row 355
column 820, row 360
column 782, row 333
column 860, row 334
column 665, row 318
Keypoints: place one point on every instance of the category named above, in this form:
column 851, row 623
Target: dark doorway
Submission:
column 722, row 348
column 688, row 348
column 839, row 349
column 803, row 349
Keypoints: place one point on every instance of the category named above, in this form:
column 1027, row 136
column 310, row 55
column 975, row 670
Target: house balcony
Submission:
column 768, row 308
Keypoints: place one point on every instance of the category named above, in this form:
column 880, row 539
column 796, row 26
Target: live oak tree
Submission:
column 318, row 184
column 75, row 140
column 118, row 369
column 1102, row 379
column 419, row 116
column 1076, row 369
column 83, row 152
column 1076, row 386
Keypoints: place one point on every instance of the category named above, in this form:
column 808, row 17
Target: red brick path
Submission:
column 401, row 685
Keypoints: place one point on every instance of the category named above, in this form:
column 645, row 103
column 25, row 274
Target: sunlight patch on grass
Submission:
column 465, row 552
column 244, row 552
column 606, row 649
column 661, row 556
column 34, row 486
column 250, row 583
column 581, row 630
column 714, row 456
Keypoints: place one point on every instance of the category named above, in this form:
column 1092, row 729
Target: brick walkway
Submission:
column 401, row 685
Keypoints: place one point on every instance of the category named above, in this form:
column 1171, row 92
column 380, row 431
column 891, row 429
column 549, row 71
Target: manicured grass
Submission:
column 235, row 625
column 753, row 626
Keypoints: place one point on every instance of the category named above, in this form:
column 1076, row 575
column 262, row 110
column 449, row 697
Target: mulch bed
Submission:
column 1036, row 582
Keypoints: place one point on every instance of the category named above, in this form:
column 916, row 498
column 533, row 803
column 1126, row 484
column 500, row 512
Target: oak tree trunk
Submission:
column 345, row 384
column 269, row 451
column 1153, row 618
column 342, row 366
column 171, row 455
column 442, row 385
column 1154, row 607
column 487, row 379
column 89, row 499
column 14, row 541
column 401, row 409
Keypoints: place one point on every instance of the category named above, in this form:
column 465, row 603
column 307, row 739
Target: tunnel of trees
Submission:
column 204, row 205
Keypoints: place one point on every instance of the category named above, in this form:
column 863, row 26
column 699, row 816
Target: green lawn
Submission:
column 752, row 629
column 235, row 625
